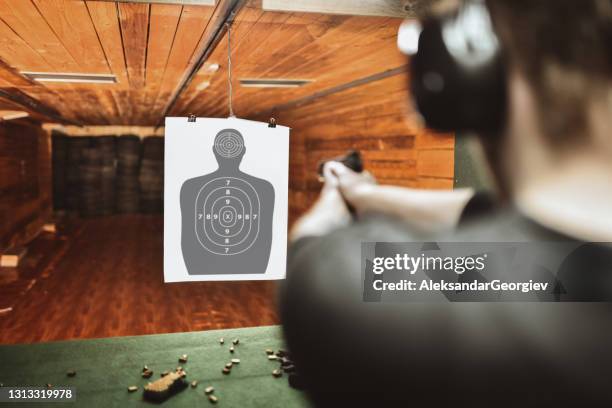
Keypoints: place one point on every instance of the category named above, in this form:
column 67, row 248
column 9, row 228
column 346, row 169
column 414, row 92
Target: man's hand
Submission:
column 426, row 211
column 356, row 188
column 328, row 213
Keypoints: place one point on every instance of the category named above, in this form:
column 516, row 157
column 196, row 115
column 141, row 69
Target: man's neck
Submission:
column 568, row 191
column 573, row 198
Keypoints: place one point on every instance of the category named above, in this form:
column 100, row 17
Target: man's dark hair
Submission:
column 564, row 50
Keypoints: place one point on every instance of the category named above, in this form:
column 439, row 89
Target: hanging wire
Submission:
column 229, row 68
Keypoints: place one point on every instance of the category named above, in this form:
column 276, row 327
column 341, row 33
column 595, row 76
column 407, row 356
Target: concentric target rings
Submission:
column 227, row 213
column 229, row 143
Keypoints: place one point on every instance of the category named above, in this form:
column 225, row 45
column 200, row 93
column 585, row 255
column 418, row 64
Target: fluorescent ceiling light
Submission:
column 211, row 67
column 71, row 77
column 11, row 114
column 203, row 86
column 273, row 83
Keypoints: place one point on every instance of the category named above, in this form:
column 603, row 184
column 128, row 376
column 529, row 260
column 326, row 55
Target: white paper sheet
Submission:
column 225, row 200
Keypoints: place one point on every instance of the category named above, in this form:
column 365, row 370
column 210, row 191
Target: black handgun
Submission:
column 352, row 160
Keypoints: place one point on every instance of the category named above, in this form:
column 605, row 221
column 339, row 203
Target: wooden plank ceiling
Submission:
column 151, row 48
column 147, row 46
column 330, row 50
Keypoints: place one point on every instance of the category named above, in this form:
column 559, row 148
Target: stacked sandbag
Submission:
column 76, row 148
column 128, row 168
column 59, row 165
column 152, row 175
column 90, row 197
column 108, row 153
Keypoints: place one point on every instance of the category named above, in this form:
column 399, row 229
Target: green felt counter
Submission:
column 106, row 367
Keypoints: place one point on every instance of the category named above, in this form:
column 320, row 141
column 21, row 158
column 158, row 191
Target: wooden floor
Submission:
column 103, row 277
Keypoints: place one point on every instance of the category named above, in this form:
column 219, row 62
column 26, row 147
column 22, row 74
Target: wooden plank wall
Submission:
column 375, row 119
column 25, row 182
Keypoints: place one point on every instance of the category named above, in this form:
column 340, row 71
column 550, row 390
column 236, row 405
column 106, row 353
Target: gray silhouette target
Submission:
column 227, row 215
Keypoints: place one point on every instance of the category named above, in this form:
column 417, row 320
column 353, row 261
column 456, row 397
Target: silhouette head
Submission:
column 229, row 148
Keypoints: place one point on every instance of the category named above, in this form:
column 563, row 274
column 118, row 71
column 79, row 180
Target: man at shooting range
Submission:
column 533, row 80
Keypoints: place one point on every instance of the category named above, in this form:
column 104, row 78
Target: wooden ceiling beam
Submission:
column 32, row 105
column 381, row 8
column 18, row 98
column 224, row 13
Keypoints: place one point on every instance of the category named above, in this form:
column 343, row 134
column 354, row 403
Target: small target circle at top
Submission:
column 229, row 144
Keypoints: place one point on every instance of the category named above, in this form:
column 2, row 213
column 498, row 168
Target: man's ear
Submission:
column 441, row 8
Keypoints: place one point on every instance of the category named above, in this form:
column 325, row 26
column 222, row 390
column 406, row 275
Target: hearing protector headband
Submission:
column 458, row 77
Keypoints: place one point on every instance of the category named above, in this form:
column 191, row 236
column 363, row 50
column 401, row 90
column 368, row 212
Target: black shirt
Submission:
column 354, row 353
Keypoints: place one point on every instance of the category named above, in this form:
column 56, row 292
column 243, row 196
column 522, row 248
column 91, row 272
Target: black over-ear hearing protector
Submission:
column 458, row 74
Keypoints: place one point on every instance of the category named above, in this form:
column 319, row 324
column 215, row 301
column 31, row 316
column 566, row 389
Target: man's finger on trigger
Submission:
column 336, row 168
column 329, row 177
column 329, row 170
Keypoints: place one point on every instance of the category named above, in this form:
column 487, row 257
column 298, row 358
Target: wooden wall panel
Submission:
column 25, row 182
column 374, row 118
